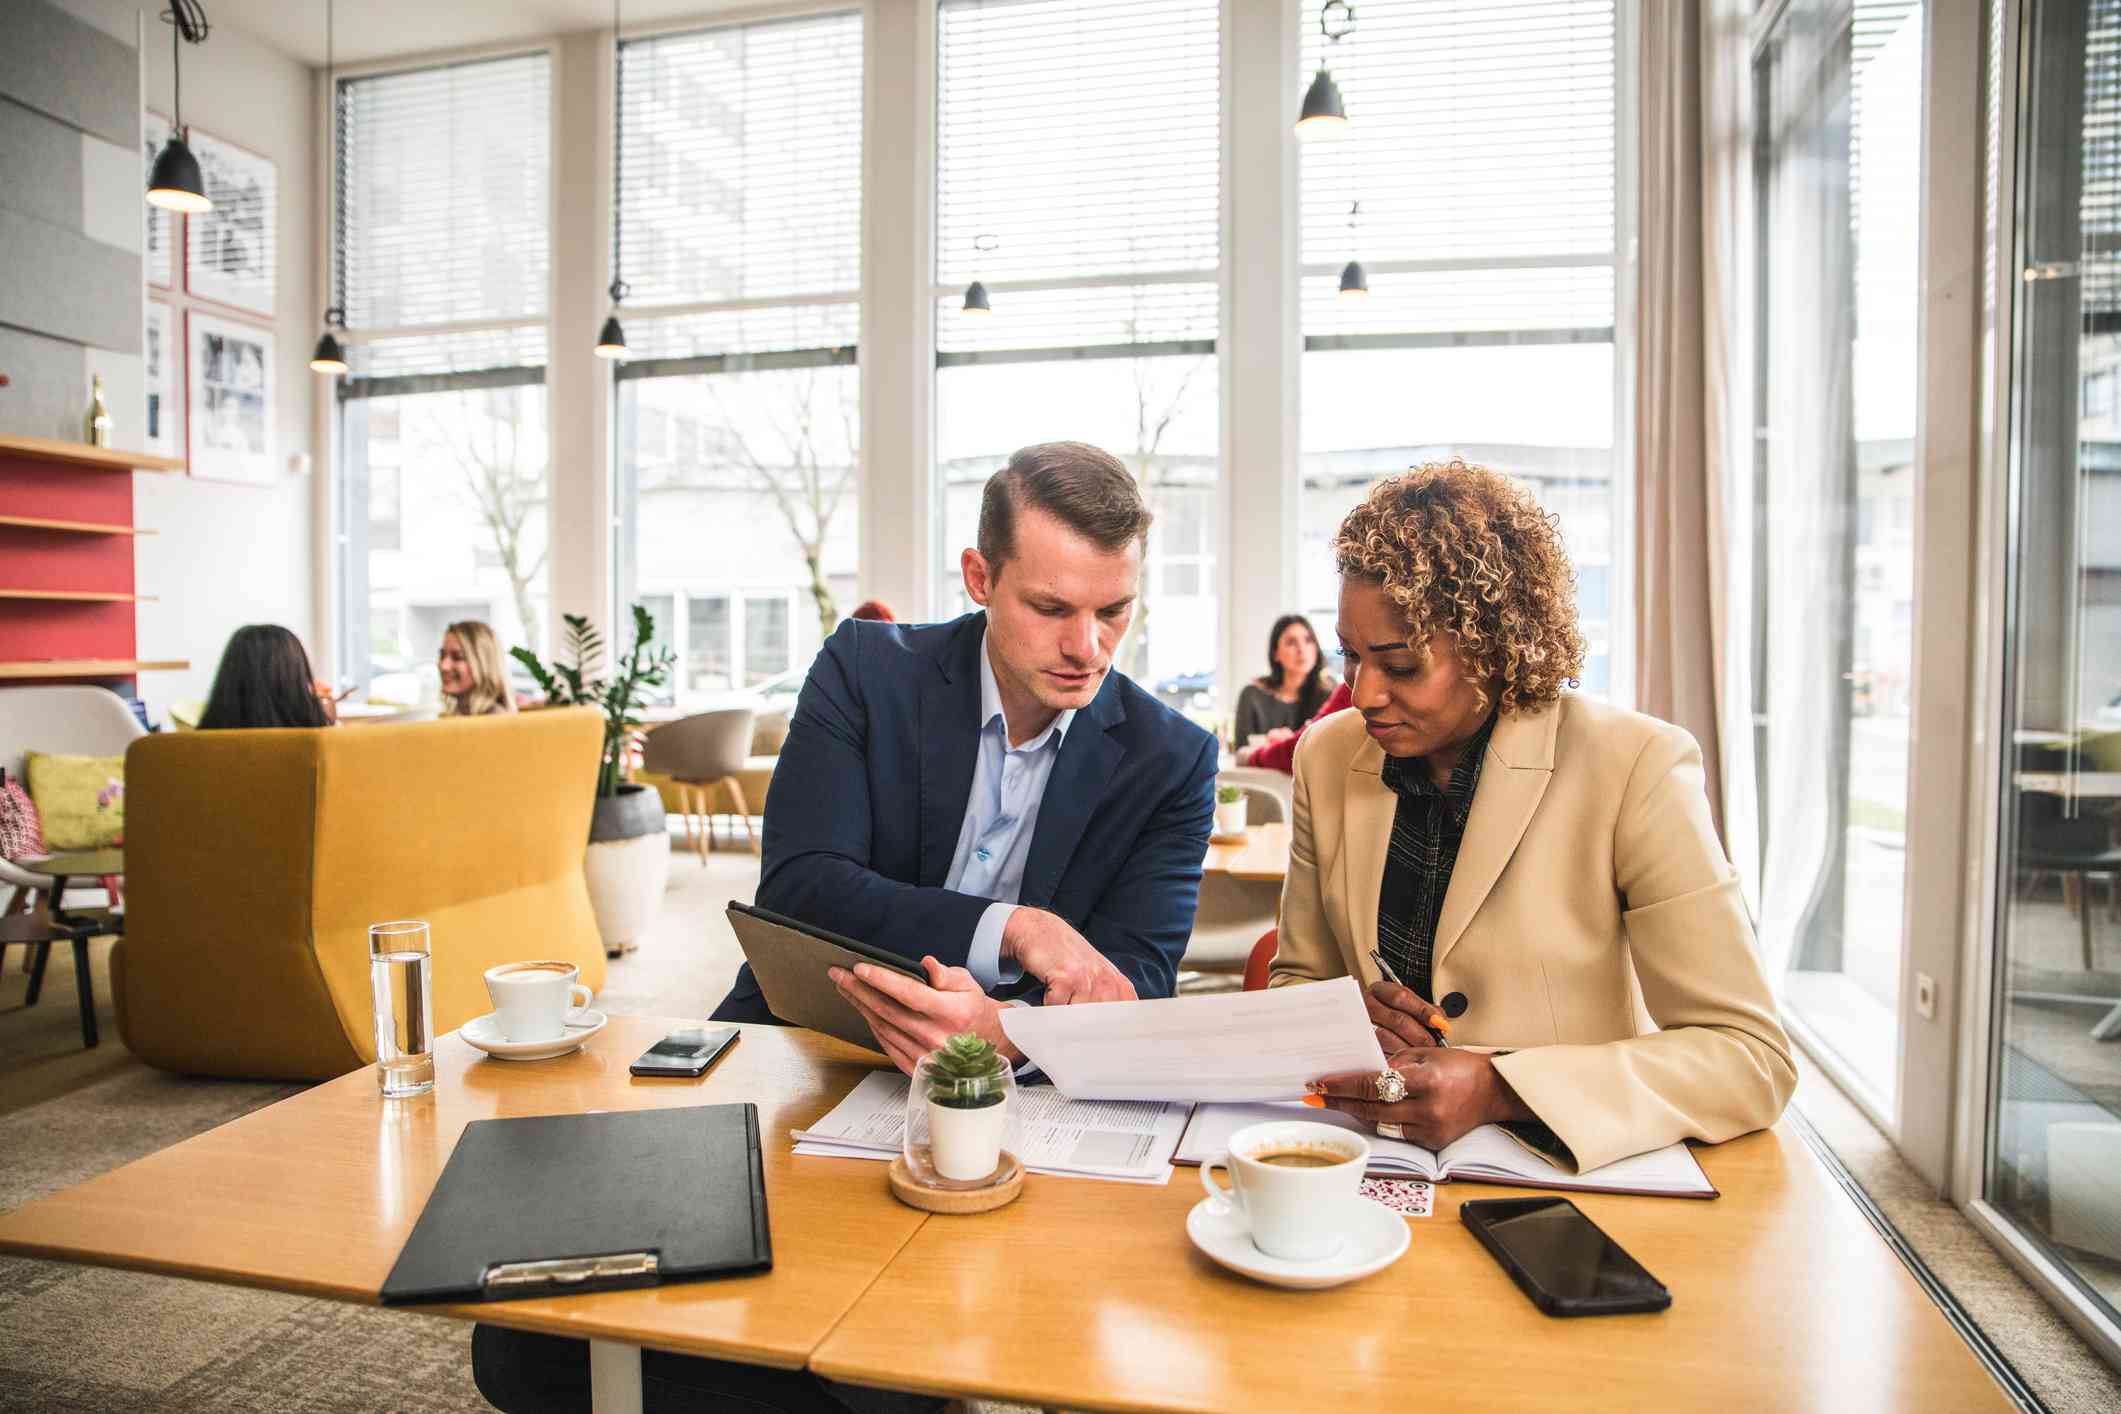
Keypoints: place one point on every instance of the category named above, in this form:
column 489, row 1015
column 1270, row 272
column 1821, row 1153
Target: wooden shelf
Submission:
column 85, row 527
column 77, row 596
column 85, row 457
column 87, row 668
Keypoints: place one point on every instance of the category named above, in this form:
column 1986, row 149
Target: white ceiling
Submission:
column 382, row 29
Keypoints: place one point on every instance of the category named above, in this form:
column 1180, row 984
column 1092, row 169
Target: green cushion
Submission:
column 80, row 798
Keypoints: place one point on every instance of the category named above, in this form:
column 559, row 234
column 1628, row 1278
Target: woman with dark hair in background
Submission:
column 264, row 681
column 1293, row 689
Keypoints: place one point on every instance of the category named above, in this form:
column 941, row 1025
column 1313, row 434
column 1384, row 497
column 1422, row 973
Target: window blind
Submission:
column 445, row 244
column 1481, row 147
column 1079, row 159
column 740, row 182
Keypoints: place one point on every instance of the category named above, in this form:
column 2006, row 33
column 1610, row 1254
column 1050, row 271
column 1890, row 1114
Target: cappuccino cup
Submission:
column 531, row 999
column 1295, row 1182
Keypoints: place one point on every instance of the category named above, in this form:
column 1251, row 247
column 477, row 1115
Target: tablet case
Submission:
column 789, row 960
column 590, row 1202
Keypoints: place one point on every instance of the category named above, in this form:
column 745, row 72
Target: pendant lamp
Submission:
column 330, row 356
column 176, row 184
column 611, row 339
column 1324, row 114
column 1354, row 280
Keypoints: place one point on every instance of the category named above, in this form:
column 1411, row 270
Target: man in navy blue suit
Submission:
column 988, row 797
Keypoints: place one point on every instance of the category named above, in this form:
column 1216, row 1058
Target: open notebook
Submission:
column 1487, row 1155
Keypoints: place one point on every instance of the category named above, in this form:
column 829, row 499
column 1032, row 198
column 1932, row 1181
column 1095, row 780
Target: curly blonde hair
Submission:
column 1466, row 551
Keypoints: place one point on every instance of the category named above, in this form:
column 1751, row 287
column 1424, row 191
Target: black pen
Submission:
column 1385, row 969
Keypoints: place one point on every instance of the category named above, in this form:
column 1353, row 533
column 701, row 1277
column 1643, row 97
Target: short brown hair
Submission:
column 1083, row 487
column 1466, row 551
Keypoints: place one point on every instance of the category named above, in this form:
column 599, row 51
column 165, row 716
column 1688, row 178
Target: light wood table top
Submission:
column 1264, row 854
column 317, row 1194
column 1089, row 1296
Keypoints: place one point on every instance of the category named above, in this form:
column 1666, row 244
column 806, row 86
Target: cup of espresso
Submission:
column 531, row 999
column 1294, row 1180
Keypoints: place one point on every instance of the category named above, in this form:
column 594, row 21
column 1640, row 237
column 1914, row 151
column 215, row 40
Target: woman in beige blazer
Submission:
column 1541, row 864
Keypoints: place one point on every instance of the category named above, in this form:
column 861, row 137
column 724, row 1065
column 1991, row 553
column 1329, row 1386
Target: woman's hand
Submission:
column 1280, row 734
column 1449, row 1093
column 1402, row 1018
column 326, row 699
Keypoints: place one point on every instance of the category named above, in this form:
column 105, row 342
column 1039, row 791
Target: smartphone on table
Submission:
column 1561, row 1259
column 685, row 1052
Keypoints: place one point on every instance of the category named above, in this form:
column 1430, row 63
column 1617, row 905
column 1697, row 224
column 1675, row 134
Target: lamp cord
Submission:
column 336, row 315
column 619, row 289
column 187, row 25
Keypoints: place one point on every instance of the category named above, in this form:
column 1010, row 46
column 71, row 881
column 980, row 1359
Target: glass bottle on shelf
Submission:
column 96, row 426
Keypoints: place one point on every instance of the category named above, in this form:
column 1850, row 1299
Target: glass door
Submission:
column 2052, row 1156
column 1838, row 111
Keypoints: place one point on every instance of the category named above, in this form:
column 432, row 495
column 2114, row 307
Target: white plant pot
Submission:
column 626, row 879
column 966, row 1145
column 1230, row 819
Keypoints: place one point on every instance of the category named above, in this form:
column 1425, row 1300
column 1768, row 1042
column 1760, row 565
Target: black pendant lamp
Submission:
column 611, row 339
column 176, row 184
column 1324, row 115
column 1354, row 280
column 330, row 356
column 976, row 299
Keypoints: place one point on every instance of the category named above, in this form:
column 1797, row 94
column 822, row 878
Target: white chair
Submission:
column 1234, row 912
column 65, row 721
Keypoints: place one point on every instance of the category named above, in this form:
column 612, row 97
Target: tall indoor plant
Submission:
column 628, row 862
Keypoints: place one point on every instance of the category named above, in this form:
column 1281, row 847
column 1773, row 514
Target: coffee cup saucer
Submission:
column 1373, row 1239
column 484, row 1032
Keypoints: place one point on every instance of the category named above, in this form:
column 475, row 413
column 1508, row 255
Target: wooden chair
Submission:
column 702, row 752
column 1261, row 962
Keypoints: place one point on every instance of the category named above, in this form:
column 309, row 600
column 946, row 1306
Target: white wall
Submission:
column 224, row 554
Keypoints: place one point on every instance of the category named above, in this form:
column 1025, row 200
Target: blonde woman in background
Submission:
column 474, row 682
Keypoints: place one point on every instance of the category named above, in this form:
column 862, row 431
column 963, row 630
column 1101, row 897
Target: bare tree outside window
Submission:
column 501, row 468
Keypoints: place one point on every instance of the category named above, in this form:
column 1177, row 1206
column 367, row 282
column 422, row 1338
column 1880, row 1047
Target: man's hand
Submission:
column 1063, row 959
column 1449, row 1093
column 909, row 1019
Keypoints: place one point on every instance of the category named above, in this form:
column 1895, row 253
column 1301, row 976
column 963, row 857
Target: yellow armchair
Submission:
column 255, row 861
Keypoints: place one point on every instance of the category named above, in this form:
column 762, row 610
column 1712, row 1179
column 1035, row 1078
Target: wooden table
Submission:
column 1264, row 854
column 1082, row 1295
column 1089, row 1296
column 317, row 1194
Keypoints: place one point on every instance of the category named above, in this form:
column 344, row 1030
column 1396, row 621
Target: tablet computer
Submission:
column 789, row 958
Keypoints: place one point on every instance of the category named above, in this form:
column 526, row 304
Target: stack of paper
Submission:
column 1125, row 1143
column 1226, row 1046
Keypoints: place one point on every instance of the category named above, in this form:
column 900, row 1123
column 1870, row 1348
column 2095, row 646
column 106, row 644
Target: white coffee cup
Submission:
column 1296, row 1213
column 531, row 999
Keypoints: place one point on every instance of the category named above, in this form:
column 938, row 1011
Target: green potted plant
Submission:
column 1229, row 812
column 628, row 862
column 964, row 1085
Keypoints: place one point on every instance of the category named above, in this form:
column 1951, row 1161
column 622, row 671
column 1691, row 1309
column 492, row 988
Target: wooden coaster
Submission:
column 915, row 1194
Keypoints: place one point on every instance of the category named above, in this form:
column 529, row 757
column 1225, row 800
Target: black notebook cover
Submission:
column 661, row 1195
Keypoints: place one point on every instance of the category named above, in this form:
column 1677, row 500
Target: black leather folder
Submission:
column 591, row 1202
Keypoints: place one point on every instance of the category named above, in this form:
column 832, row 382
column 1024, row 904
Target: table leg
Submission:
column 85, row 986
column 614, row 1377
column 39, row 954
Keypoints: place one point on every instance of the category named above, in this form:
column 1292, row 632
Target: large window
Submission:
column 1476, row 184
column 2052, row 1152
column 1079, row 181
column 1838, row 100
column 444, row 259
column 740, row 223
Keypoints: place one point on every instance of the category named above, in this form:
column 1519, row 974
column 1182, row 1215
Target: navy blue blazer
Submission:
column 870, row 791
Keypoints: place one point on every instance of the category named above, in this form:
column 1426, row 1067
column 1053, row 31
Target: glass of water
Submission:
column 400, row 959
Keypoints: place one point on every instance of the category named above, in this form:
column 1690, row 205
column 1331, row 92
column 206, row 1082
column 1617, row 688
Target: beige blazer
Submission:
column 1593, row 924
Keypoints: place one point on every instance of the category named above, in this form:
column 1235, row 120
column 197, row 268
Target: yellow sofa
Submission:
column 255, row 861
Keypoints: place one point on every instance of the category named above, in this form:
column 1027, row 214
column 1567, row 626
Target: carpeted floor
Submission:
column 81, row 1339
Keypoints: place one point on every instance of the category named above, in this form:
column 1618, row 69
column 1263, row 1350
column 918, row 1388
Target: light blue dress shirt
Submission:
column 1008, row 786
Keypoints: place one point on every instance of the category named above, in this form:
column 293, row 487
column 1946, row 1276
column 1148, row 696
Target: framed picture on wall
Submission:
column 230, row 250
column 160, row 361
column 162, row 226
column 228, row 415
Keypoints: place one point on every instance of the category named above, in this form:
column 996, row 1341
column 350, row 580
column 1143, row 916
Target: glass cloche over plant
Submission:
column 958, row 1113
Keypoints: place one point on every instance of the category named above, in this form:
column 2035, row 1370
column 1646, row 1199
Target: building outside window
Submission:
column 740, row 406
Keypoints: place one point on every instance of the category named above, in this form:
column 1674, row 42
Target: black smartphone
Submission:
column 1561, row 1259
column 686, row 1052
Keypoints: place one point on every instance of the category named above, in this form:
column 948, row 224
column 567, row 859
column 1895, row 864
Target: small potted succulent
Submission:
column 965, row 1085
column 1229, row 812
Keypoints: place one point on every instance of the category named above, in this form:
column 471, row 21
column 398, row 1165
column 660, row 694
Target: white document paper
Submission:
column 1227, row 1046
column 1128, row 1143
